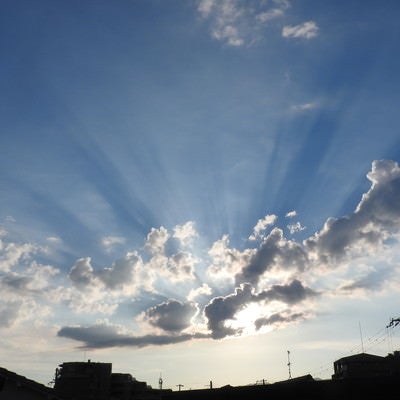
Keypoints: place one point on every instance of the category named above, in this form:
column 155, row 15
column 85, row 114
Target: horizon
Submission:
column 193, row 188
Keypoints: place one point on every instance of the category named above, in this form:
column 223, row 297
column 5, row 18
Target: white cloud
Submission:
column 304, row 107
column 307, row 30
column 262, row 225
column 109, row 242
column 156, row 240
column 203, row 290
column 283, row 279
column 296, row 227
column 13, row 253
column 237, row 22
column 54, row 239
column 185, row 233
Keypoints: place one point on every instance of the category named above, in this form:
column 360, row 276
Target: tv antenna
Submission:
column 361, row 337
column 289, row 364
column 393, row 322
column 160, row 382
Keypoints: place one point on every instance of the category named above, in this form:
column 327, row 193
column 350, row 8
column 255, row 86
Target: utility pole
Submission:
column 180, row 386
column 289, row 364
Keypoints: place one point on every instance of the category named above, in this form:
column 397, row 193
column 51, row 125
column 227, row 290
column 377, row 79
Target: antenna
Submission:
column 362, row 343
column 160, row 382
column 180, row 386
column 289, row 364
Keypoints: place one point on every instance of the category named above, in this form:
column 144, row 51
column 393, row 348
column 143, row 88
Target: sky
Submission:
column 193, row 188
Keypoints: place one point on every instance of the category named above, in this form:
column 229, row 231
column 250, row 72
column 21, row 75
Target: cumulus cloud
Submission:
column 307, row 30
column 262, row 225
column 275, row 252
column 13, row 253
column 185, row 233
column 271, row 285
column 121, row 273
column 156, row 240
column 227, row 261
column 82, row 273
column 376, row 217
column 239, row 22
column 291, row 293
column 203, row 290
column 222, row 309
column 172, row 315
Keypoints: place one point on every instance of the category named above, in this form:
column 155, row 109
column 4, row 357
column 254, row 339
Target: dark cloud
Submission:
column 292, row 293
column 181, row 265
column 372, row 281
column 375, row 218
column 221, row 309
column 277, row 318
column 274, row 251
column 82, row 274
column 9, row 312
column 103, row 336
column 16, row 283
column 120, row 273
column 172, row 315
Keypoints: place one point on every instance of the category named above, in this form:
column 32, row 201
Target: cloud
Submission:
column 307, row 30
column 172, row 315
column 297, row 227
column 121, row 273
column 181, row 266
column 275, row 252
column 375, row 219
column 303, row 107
column 291, row 293
column 278, row 319
column 156, row 240
column 109, row 242
column 239, row 22
column 262, row 225
column 374, row 280
column 185, row 233
column 13, row 253
column 203, row 290
column 274, row 283
column 82, row 273
column 222, row 309
column 226, row 262
column 54, row 239
column 105, row 335
column 9, row 313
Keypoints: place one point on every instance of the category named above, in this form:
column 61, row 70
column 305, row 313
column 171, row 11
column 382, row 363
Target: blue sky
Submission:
column 184, row 180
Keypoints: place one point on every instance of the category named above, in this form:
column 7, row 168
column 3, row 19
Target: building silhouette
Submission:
column 361, row 376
